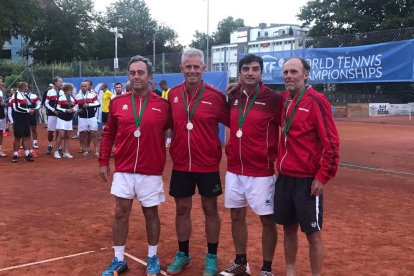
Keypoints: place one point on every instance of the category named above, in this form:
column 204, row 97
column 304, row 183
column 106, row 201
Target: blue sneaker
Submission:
column 181, row 262
column 210, row 265
column 116, row 267
column 153, row 266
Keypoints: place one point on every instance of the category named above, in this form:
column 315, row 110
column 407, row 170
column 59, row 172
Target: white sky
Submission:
column 187, row 16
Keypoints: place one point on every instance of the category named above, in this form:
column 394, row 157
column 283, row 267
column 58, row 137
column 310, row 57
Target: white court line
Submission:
column 141, row 261
column 374, row 169
column 49, row 260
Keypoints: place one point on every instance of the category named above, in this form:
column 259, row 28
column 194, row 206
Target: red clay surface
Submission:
column 54, row 208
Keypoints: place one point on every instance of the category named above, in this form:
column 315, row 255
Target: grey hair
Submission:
column 192, row 52
column 144, row 60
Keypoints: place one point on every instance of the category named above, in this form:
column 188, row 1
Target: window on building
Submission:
column 258, row 34
column 266, row 34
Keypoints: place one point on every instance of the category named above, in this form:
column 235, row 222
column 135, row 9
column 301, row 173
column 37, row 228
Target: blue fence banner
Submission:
column 385, row 62
column 217, row 79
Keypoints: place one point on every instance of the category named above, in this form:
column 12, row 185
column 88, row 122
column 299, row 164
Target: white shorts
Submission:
column 87, row 124
column 51, row 123
column 148, row 189
column 256, row 192
column 62, row 124
column 3, row 124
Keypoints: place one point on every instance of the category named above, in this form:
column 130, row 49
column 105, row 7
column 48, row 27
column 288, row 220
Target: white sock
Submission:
column 49, row 144
column 26, row 152
column 152, row 250
column 119, row 252
column 16, row 153
column 34, row 141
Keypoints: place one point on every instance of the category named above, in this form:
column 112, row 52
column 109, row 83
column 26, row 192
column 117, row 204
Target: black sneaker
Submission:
column 60, row 152
column 29, row 158
column 49, row 150
column 15, row 159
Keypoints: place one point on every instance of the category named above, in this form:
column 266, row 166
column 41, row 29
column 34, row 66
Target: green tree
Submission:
column 138, row 30
column 17, row 18
column 224, row 28
column 64, row 32
column 331, row 17
column 200, row 41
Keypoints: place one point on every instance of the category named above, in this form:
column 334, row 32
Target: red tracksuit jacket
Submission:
column 254, row 154
column 143, row 155
column 199, row 149
column 311, row 147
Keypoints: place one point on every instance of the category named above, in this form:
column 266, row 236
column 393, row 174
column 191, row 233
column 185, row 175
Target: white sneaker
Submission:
column 35, row 146
column 67, row 155
column 57, row 155
column 97, row 154
column 85, row 154
column 2, row 154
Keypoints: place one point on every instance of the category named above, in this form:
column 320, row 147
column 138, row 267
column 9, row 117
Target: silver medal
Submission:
column 137, row 133
column 190, row 126
column 239, row 133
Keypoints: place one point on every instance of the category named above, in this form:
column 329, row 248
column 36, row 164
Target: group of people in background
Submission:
column 305, row 155
column 60, row 107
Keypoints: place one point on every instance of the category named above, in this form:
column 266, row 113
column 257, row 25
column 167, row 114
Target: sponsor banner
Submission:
column 385, row 62
column 386, row 109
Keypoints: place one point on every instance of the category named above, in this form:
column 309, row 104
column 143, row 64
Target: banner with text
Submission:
column 385, row 62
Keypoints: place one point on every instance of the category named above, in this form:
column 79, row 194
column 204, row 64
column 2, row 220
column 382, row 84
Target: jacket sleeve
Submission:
column 95, row 102
column 37, row 102
column 224, row 112
column 108, row 137
column 17, row 105
column 328, row 135
column 48, row 106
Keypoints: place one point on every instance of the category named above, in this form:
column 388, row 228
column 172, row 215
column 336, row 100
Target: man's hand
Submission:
column 85, row 105
column 232, row 88
column 317, row 187
column 104, row 173
column 56, row 112
column 31, row 111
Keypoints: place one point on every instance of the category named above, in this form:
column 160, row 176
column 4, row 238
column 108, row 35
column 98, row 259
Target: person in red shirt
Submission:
column 197, row 108
column 136, row 124
column 307, row 159
column 251, row 154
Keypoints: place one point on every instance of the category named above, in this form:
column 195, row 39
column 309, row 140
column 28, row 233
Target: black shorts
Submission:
column 294, row 204
column 33, row 120
column 21, row 127
column 183, row 184
column 105, row 117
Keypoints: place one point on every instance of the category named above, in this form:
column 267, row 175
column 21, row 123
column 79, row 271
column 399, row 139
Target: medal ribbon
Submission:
column 242, row 117
column 134, row 108
column 288, row 122
column 191, row 114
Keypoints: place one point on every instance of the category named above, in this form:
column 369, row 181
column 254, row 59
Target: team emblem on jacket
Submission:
column 236, row 102
column 125, row 107
column 175, row 99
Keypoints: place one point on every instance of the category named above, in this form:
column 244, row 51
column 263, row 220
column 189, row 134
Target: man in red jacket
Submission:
column 307, row 159
column 251, row 153
column 197, row 108
column 136, row 124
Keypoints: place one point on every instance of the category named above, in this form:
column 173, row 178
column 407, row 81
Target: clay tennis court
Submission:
column 56, row 215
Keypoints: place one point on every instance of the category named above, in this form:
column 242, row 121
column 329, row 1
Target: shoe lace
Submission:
column 179, row 261
column 114, row 265
column 233, row 267
column 211, row 263
column 152, row 263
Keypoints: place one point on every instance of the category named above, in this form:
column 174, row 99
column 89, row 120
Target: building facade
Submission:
column 264, row 38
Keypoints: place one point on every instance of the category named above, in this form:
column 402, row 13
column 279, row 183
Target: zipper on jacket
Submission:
column 286, row 150
column 137, row 153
